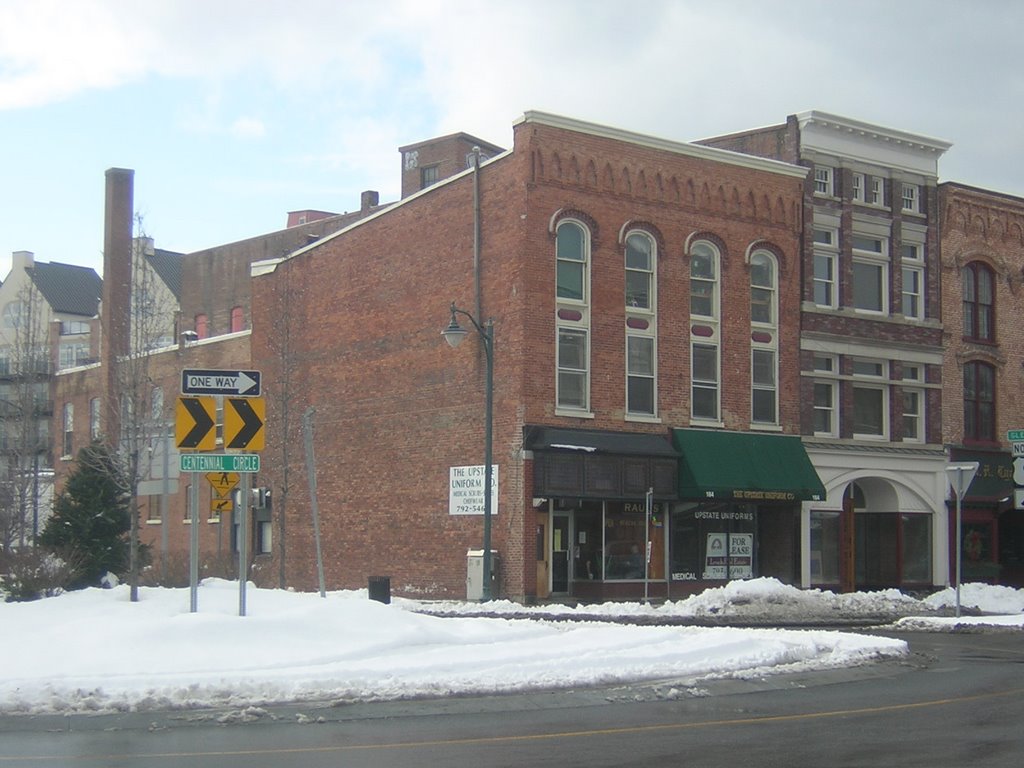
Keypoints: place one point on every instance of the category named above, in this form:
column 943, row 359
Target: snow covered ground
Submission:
column 95, row 651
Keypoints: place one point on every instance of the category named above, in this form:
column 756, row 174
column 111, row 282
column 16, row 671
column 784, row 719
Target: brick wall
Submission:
column 978, row 225
column 352, row 329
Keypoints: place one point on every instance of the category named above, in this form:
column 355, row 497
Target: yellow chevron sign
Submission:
column 243, row 423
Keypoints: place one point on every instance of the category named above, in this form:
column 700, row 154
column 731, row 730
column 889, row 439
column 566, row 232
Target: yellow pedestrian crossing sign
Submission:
column 223, row 483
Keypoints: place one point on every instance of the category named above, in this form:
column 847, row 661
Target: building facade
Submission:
column 982, row 276
column 645, row 300
column 871, row 348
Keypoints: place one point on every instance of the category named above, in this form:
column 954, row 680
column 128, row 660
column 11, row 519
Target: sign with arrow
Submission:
column 220, row 507
column 195, row 425
column 243, row 423
column 232, row 383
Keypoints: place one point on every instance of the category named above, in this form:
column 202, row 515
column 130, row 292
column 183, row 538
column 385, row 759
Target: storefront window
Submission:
column 977, row 563
column 626, row 540
column 825, row 547
column 917, row 548
column 713, row 542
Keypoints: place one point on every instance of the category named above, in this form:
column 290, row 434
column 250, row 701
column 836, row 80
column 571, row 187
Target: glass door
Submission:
column 561, row 543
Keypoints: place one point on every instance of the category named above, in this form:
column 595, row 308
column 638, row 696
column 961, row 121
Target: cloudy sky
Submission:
column 234, row 112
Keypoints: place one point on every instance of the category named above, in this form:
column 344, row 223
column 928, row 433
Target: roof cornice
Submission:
column 676, row 147
column 870, row 131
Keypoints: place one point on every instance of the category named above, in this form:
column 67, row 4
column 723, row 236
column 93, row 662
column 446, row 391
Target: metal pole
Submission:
column 959, row 546
column 307, row 429
column 193, row 576
column 243, row 541
column 488, row 335
column 165, row 491
column 648, row 506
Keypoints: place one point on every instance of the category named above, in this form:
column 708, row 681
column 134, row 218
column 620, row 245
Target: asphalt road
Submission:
column 957, row 700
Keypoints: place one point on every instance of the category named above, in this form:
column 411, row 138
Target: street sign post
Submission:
column 220, row 462
column 960, row 476
column 230, row 383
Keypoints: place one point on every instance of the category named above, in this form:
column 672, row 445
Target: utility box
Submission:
column 475, row 573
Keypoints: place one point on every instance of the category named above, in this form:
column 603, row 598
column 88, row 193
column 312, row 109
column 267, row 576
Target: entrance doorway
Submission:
column 561, row 543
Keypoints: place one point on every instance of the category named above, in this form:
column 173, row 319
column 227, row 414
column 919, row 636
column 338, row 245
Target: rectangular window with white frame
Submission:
column 870, row 274
column 823, row 180
column 640, row 375
column 704, row 377
column 858, row 187
column 913, row 404
column 870, row 399
column 826, row 256
column 68, row 445
column 572, row 368
column 876, row 192
column 826, row 393
column 911, row 198
column 764, row 386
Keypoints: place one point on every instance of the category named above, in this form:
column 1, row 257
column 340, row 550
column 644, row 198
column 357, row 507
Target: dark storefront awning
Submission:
column 744, row 466
column 993, row 482
column 595, row 441
column 591, row 464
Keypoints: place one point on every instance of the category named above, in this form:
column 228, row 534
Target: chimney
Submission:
column 369, row 199
column 22, row 260
column 117, row 262
column 115, row 320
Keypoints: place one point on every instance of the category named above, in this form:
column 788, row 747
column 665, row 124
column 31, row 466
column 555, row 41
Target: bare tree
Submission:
column 136, row 399
column 24, row 411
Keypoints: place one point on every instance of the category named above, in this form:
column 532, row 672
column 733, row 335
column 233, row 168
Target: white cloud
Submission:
column 248, row 128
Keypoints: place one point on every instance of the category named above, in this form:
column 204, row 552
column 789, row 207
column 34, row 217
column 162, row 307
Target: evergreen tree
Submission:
column 91, row 517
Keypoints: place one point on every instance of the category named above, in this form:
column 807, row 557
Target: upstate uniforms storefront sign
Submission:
column 466, row 490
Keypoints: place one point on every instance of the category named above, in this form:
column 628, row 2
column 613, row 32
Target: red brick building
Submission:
column 871, row 342
column 645, row 299
column 982, row 279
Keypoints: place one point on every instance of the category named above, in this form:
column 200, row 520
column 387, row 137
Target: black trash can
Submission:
column 379, row 588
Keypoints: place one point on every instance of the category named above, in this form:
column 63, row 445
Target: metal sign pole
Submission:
column 960, row 477
column 243, row 541
column 648, row 507
column 193, row 576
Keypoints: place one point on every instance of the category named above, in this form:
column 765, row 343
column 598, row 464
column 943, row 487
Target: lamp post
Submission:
column 454, row 334
column 960, row 477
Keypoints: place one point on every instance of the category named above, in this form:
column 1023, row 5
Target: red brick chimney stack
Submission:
column 115, row 318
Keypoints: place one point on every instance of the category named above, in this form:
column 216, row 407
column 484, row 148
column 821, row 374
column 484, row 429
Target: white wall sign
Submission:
column 466, row 490
column 738, row 564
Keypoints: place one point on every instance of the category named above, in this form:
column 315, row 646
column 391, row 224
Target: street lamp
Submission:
column 454, row 334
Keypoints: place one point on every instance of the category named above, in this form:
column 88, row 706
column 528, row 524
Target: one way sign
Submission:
column 233, row 383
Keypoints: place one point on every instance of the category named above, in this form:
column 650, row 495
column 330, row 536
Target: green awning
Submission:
column 744, row 466
column 993, row 483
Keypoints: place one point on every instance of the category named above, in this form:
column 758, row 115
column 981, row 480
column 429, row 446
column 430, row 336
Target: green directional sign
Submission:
column 1015, row 435
column 220, row 462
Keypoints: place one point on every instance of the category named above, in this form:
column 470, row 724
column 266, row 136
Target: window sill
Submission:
column 154, row 521
column 709, row 423
column 573, row 413
column 759, row 427
column 642, row 418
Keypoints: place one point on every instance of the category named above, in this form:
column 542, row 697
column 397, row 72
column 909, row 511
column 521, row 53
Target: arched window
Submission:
column 572, row 316
column 704, row 280
column 572, row 248
column 764, row 359
column 237, row 319
column 639, row 271
column 763, row 283
column 979, row 402
column 705, row 335
column 202, row 327
column 979, row 302
column 641, row 325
